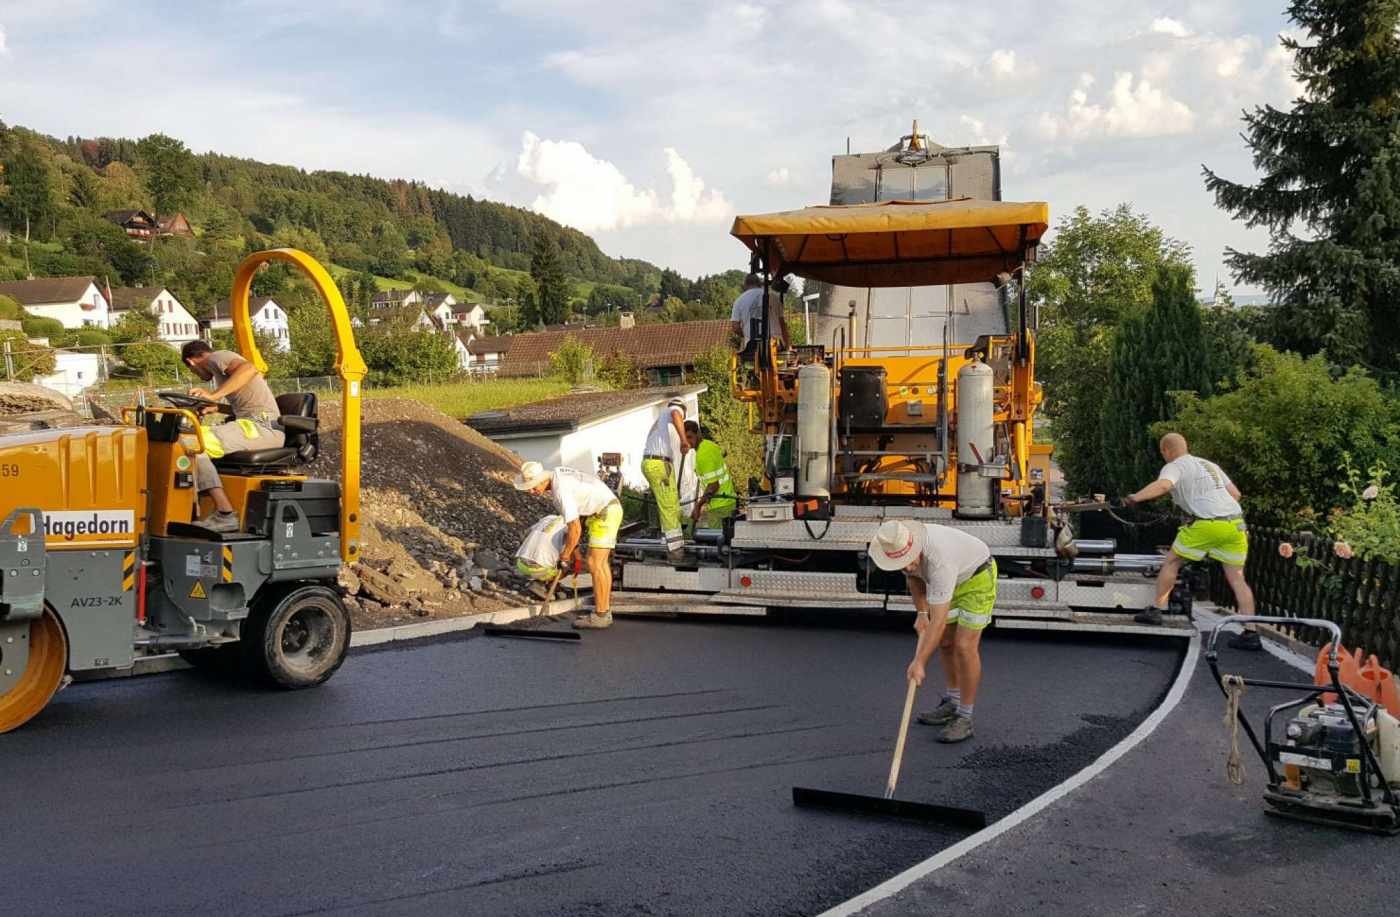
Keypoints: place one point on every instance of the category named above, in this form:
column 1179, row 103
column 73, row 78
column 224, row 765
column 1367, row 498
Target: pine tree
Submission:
column 1331, row 168
column 551, row 304
column 1156, row 352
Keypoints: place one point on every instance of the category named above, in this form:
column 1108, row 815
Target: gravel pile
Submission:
column 441, row 519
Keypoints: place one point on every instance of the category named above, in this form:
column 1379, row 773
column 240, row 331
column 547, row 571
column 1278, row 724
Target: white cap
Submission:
column 896, row 545
column 532, row 475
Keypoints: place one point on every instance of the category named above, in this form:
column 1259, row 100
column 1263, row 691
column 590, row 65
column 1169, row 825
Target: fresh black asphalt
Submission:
column 1163, row 832
column 644, row 770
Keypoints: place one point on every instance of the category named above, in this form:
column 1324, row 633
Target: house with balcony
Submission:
column 76, row 302
column 175, row 325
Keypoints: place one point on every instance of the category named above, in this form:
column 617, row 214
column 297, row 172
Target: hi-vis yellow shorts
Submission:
column 971, row 605
column 602, row 527
column 1225, row 540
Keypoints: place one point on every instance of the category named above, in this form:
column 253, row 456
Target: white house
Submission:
column 73, row 372
column 576, row 429
column 76, row 302
column 412, row 316
column 392, row 299
column 176, row 325
column 268, row 319
column 486, row 353
column 470, row 315
column 441, row 308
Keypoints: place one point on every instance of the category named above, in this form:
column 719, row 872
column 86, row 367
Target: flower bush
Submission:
column 1370, row 527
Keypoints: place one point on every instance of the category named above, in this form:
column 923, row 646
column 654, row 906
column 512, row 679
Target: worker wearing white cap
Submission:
column 580, row 495
column 659, row 469
column 953, row 580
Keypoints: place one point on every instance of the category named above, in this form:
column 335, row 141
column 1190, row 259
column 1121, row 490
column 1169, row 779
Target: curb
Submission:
column 171, row 662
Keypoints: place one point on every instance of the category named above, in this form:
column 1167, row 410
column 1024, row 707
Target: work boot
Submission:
column 1150, row 615
column 593, row 621
column 959, row 729
column 940, row 715
column 219, row 522
column 1247, row 640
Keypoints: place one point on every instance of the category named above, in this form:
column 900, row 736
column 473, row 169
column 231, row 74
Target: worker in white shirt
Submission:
column 748, row 312
column 580, row 495
column 952, row 579
column 1217, row 529
column 659, row 470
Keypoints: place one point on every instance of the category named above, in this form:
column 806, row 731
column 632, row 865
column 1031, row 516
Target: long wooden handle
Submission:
column 899, row 743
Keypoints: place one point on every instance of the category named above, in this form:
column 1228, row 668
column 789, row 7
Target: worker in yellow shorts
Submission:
column 952, row 579
column 715, row 500
column 1217, row 530
column 579, row 495
column 659, row 470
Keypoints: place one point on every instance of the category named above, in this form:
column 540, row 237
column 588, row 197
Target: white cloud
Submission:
column 592, row 194
column 1002, row 63
column 690, row 202
column 779, row 177
column 4, row 49
column 1172, row 27
column 1134, row 108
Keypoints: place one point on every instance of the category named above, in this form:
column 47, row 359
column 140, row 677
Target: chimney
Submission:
column 626, row 320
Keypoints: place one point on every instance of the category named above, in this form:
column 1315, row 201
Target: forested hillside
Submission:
column 55, row 195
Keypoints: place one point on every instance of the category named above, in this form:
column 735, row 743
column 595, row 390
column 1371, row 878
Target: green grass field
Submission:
column 462, row 399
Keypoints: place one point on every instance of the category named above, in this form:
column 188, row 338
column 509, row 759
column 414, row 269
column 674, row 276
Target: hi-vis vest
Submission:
column 710, row 468
column 215, row 449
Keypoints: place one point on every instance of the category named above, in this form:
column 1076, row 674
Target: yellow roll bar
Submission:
column 349, row 366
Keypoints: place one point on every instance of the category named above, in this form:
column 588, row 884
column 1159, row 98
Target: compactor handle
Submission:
column 1262, row 619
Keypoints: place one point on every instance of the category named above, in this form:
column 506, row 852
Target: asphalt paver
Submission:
column 644, row 770
column 1164, row 832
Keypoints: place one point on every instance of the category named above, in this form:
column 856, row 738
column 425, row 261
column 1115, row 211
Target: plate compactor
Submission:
column 1332, row 755
column 100, row 561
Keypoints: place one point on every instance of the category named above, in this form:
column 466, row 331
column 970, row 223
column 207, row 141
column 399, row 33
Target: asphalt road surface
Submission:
column 645, row 770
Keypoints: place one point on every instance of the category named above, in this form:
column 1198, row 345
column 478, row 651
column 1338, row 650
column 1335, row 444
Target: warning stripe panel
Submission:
column 227, row 572
column 129, row 571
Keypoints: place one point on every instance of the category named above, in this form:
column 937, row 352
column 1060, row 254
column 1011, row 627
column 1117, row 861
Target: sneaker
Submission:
column 593, row 621
column 1149, row 615
column 219, row 522
column 1248, row 641
column 959, row 729
column 940, row 715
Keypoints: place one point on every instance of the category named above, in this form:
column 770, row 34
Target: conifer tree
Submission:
column 1330, row 187
column 1156, row 352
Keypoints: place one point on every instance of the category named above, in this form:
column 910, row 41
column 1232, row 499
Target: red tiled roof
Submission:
column 648, row 346
column 491, row 343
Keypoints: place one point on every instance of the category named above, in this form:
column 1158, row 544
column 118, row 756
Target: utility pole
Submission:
column 9, row 363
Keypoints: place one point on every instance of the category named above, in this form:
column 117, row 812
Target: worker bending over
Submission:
column 1217, row 529
column 579, row 495
column 256, row 421
column 952, row 579
column 538, row 555
column 715, row 500
column 747, row 312
column 659, row 470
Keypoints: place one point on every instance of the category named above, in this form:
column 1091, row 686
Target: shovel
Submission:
column 887, row 805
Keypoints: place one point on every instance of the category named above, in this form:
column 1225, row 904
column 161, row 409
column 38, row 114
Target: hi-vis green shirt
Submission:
column 711, row 469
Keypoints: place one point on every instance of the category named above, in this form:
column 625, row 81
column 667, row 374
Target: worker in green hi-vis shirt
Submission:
column 715, row 500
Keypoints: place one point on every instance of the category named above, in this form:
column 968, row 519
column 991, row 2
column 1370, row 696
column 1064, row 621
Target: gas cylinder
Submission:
column 814, row 431
column 977, row 495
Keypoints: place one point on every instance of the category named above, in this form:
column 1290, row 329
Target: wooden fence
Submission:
column 1362, row 597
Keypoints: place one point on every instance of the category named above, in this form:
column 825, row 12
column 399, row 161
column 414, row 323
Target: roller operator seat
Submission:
column 299, row 426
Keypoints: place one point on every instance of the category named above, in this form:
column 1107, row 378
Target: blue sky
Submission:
column 650, row 124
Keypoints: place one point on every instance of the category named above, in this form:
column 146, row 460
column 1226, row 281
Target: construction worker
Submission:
column 716, row 500
column 659, row 470
column 1217, row 529
column 538, row 555
column 579, row 495
column 952, row 579
column 256, row 422
column 747, row 311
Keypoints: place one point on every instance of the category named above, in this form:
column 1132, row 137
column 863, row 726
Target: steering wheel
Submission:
column 183, row 400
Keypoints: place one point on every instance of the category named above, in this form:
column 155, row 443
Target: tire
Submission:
column 223, row 660
column 297, row 637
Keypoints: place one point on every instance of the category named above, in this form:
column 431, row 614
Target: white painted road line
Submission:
column 893, row 886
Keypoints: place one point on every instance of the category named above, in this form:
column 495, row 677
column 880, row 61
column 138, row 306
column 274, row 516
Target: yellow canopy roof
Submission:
column 898, row 243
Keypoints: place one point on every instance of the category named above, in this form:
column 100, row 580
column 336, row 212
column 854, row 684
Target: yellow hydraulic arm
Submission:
column 349, row 366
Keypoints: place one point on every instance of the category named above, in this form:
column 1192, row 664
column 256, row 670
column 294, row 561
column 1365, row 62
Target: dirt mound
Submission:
column 441, row 519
